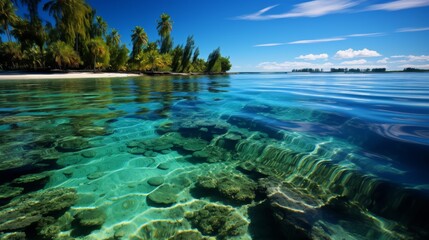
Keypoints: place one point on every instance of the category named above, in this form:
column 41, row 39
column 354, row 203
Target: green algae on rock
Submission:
column 155, row 181
column 7, row 191
column 32, row 178
column 218, row 220
column 95, row 175
column 165, row 194
column 89, row 154
column 233, row 186
column 90, row 217
column 212, row 154
column 158, row 230
column 190, row 235
column 22, row 211
column 72, row 144
column 13, row 236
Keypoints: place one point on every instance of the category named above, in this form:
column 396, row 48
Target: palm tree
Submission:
column 7, row 16
column 63, row 54
column 100, row 27
column 113, row 39
column 187, row 54
column 139, row 39
column 72, row 17
column 10, row 55
column 32, row 6
column 164, row 27
column 98, row 49
column 213, row 61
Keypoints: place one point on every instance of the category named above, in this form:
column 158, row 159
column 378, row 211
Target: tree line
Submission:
column 358, row 70
column 79, row 39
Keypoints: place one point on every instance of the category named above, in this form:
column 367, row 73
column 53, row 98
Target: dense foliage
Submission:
column 79, row 39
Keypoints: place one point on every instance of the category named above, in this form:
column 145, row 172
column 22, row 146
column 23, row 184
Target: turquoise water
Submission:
column 260, row 156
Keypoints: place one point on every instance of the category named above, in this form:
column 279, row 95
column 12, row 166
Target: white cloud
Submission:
column 412, row 58
column 350, row 53
column 288, row 66
column 366, row 35
column 317, row 40
column 269, row 44
column 354, row 62
column 313, row 57
column 314, row 8
column 399, row 5
column 384, row 60
column 413, row 29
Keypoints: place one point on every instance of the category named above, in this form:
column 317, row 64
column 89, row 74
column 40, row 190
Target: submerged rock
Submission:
column 13, row 236
column 93, row 131
column 233, row 186
column 7, row 191
column 212, row 154
column 91, row 217
column 165, row 194
column 155, row 181
column 95, row 175
column 50, row 227
column 12, row 163
column 159, row 229
column 193, row 144
column 217, row 220
column 189, row 235
column 164, row 166
column 89, row 154
column 72, row 144
column 27, row 209
column 32, row 178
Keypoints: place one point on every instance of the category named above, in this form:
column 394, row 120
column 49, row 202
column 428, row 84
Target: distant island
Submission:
column 81, row 40
column 355, row 70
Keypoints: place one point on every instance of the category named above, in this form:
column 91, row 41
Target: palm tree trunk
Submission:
column 95, row 61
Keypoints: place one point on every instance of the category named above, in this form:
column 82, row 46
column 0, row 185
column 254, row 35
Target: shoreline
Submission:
column 57, row 75
column 72, row 75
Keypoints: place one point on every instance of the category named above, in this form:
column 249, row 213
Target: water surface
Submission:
column 337, row 156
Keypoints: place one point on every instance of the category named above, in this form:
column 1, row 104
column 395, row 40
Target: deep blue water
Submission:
column 340, row 156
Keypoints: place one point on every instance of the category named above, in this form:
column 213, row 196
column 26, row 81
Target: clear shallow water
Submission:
column 322, row 155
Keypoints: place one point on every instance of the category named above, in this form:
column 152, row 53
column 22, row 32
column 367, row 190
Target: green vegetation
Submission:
column 79, row 39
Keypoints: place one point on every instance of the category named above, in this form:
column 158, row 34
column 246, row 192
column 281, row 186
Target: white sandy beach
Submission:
column 24, row 76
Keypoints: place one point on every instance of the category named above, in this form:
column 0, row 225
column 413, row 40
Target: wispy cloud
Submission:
column 289, row 65
column 413, row 29
column 366, row 34
column 313, row 57
column 313, row 8
column 318, row 40
column 399, row 5
column 411, row 58
column 257, row 15
column 350, row 53
column 354, row 62
column 384, row 60
column 269, row 44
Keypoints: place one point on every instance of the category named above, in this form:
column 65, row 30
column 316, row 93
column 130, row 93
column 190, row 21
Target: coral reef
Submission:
column 72, row 144
column 30, row 208
column 234, row 186
column 164, row 195
column 90, row 217
column 218, row 220
column 212, row 154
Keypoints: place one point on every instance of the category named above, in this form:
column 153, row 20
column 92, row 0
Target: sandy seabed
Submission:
column 24, row 76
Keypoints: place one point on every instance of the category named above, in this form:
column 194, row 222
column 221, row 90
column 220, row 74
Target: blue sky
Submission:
column 282, row 35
